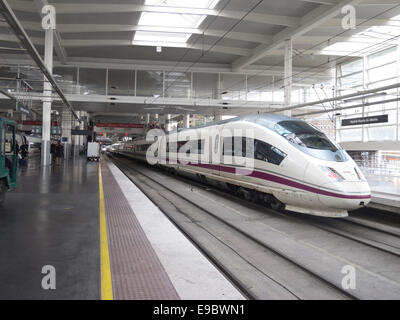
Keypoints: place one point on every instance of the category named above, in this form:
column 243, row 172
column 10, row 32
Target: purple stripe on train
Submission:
column 280, row 180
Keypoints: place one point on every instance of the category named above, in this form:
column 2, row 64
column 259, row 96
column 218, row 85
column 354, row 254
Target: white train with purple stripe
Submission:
column 282, row 160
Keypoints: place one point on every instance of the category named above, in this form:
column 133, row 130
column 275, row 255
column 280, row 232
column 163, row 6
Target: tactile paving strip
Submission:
column 137, row 273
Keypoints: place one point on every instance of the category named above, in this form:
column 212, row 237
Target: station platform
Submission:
column 103, row 236
column 385, row 192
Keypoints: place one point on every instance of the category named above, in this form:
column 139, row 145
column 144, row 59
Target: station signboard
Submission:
column 365, row 120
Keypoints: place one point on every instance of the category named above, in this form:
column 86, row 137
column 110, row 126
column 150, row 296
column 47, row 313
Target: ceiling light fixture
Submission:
column 169, row 21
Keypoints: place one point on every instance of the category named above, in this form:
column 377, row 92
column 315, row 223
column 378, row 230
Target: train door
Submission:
column 215, row 148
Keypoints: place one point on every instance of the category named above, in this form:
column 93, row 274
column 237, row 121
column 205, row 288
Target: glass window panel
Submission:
column 205, row 85
column 258, row 87
column 351, row 67
column 149, row 83
column 350, row 135
column 382, row 57
column 92, row 81
column 121, row 82
column 351, row 81
column 234, row 86
column 381, row 133
column 66, row 78
column 381, row 84
column 177, row 84
column 279, row 96
column 384, row 72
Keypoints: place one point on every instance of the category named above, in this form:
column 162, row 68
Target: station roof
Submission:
column 234, row 36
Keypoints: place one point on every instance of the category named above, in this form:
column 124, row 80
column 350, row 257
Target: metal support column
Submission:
column 288, row 75
column 167, row 119
column 186, row 120
column 66, row 126
column 47, row 99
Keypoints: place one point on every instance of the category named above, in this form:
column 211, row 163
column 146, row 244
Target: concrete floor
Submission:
column 52, row 218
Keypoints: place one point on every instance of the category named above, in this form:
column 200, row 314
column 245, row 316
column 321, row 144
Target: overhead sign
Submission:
column 365, row 120
column 38, row 123
column 75, row 132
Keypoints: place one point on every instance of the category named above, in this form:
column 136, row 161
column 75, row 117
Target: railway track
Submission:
column 263, row 261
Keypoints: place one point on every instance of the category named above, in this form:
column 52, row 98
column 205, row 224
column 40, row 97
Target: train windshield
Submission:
column 310, row 140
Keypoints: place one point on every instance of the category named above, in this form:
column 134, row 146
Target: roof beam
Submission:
column 111, row 42
column 205, row 47
column 310, row 21
column 93, row 28
column 149, row 101
column 80, row 8
column 156, row 65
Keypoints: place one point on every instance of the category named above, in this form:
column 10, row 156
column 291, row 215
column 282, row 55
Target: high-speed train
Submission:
column 282, row 160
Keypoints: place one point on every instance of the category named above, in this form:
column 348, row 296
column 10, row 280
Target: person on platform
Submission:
column 59, row 151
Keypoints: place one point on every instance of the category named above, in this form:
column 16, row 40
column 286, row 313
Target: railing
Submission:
column 381, row 168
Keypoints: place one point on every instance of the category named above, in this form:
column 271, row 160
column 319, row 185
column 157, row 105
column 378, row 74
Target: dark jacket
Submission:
column 59, row 151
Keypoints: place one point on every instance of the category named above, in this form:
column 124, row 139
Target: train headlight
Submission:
column 332, row 173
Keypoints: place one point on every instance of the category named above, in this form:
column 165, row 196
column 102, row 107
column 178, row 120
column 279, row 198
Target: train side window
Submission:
column 196, row 147
column 265, row 152
column 228, row 146
column 184, row 145
column 238, row 146
column 248, row 147
column 200, row 146
column 172, row 147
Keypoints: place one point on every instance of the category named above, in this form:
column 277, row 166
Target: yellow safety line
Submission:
column 105, row 268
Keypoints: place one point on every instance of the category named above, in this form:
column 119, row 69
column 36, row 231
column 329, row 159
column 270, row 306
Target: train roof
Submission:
column 264, row 119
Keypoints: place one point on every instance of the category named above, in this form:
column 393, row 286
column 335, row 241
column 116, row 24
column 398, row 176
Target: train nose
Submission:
column 347, row 195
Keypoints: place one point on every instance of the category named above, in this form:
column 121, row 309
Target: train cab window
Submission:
column 265, row 152
column 305, row 135
column 311, row 140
